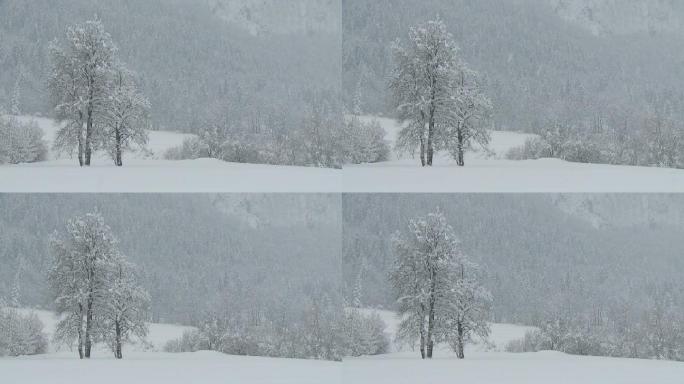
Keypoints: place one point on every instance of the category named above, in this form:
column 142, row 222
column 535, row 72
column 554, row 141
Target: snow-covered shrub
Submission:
column 364, row 142
column 190, row 341
column 531, row 342
column 571, row 340
column 550, row 336
column 583, row 343
column 364, row 334
column 533, row 148
column 246, row 150
column 245, row 344
column 582, row 151
column 21, row 334
column 575, row 150
column 191, row 148
column 239, row 149
column 21, row 142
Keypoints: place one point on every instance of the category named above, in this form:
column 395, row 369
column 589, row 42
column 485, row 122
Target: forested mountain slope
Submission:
column 539, row 255
column 190, row 55
column 542, row 62
column 187, row 247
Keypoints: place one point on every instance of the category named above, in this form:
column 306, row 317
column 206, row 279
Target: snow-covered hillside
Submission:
column 493, row 173
column 622, row 17
column 484, row 366
column 280, row 210
column 623, row 210
column 146, row 364
column 280, row 17
column 148, row 172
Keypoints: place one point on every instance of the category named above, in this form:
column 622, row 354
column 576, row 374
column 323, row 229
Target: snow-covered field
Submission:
column 493, row 173
column 492, row 366
column 149, row 365
column 149, row 172
column 168, row 368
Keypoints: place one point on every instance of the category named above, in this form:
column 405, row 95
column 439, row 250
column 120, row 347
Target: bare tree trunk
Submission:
column 430, row 148
column 118, row 161
column 89, row 124
column 80, row 331
column 80, row 138
column 89, row 325
column 431, row 316
column 459, row 341
column 431, row 117
column 422, row 331
column 431, row 325
column 460, row 160
column 118, row 353
column 89, row 311
column 430, row 133
column 422, row 138
column 80, row 148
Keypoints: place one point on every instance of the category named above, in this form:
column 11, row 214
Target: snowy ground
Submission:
column 149, row 172
column 167, row 368
column 493, row 173
column 492, row 366
column 141, row 365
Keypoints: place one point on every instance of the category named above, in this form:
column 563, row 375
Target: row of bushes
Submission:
column 354, row 142
column 573, row 150
column 659, row 144
column 327, row 338
column 574, row 343
column 645, row 340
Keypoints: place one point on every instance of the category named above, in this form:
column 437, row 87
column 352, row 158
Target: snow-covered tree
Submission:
column 423, row 86
column 125, row 308
column 80, row 85
column 317, row 139
column 15, row 294
column 662, row 327
column 466, row 315
column 15, row 102
column 464, row 123
column 408, row 282
column 124, row 115
column 65, row 97
column 425, row 285
column 664, row 140
column 357, row 298
column 80, row 278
